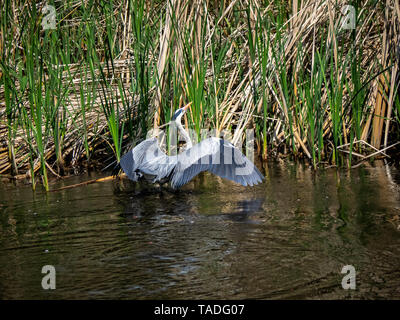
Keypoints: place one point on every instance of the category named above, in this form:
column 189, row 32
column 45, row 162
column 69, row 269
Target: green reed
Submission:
column 64, row 96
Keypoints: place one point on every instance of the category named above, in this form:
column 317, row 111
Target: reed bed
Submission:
column 312, row 82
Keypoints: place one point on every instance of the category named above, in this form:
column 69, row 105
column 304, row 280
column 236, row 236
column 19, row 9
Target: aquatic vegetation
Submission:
column 316, row 80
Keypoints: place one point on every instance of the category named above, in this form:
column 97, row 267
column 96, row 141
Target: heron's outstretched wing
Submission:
column 219, row 157
column 147, row 158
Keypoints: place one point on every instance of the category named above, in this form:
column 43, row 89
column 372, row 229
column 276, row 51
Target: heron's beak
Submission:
column 187, row 106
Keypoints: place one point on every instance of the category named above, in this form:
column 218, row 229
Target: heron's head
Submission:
column 179, row 113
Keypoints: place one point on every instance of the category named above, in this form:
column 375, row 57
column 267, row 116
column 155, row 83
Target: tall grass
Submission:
column 112, row 70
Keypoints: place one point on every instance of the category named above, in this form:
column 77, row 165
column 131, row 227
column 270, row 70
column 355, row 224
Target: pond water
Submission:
column 287, row 238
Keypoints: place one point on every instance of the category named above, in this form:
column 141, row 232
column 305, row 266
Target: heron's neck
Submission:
column 184, row 134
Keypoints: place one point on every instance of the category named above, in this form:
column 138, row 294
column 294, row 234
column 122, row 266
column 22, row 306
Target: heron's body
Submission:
column 215, row 155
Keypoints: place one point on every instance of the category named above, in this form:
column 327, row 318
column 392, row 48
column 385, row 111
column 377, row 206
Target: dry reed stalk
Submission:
column 162, row 59
column 88, row 182
column 390, row 103
column 379, row 112
column 395, row 31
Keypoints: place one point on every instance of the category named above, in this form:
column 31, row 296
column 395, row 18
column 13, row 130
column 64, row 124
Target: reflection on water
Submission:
column 286, row 238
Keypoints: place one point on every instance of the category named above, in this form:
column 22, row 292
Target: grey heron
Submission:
column 215, row 155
